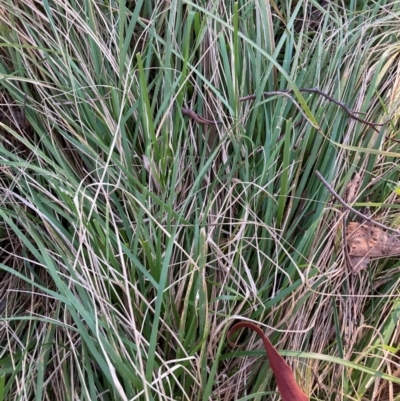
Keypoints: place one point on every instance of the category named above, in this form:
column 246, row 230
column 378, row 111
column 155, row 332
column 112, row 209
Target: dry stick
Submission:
column 350, row 112
column 287, row 93
column 346, row 206
column 283, row 93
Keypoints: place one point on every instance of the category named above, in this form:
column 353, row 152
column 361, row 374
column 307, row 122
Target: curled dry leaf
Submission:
column 287, row 386
column 366, row 242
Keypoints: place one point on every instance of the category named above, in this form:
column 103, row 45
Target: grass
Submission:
column 132, row 237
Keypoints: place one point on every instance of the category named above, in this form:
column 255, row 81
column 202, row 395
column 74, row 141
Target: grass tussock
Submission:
column 131, row 236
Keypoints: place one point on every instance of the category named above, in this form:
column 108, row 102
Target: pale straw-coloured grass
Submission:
column 132, row 237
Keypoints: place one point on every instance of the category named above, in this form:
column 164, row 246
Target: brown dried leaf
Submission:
column 359, row 263
column 366, row 242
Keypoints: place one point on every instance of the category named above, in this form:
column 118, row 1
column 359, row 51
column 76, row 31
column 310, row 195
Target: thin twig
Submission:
column 288, row 92
column 351, row 113
column 347, row 207
column 282, row 93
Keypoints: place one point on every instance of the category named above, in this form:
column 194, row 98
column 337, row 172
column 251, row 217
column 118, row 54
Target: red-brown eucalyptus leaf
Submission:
column 287, row 386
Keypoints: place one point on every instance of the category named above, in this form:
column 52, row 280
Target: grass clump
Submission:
column 132, row 236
